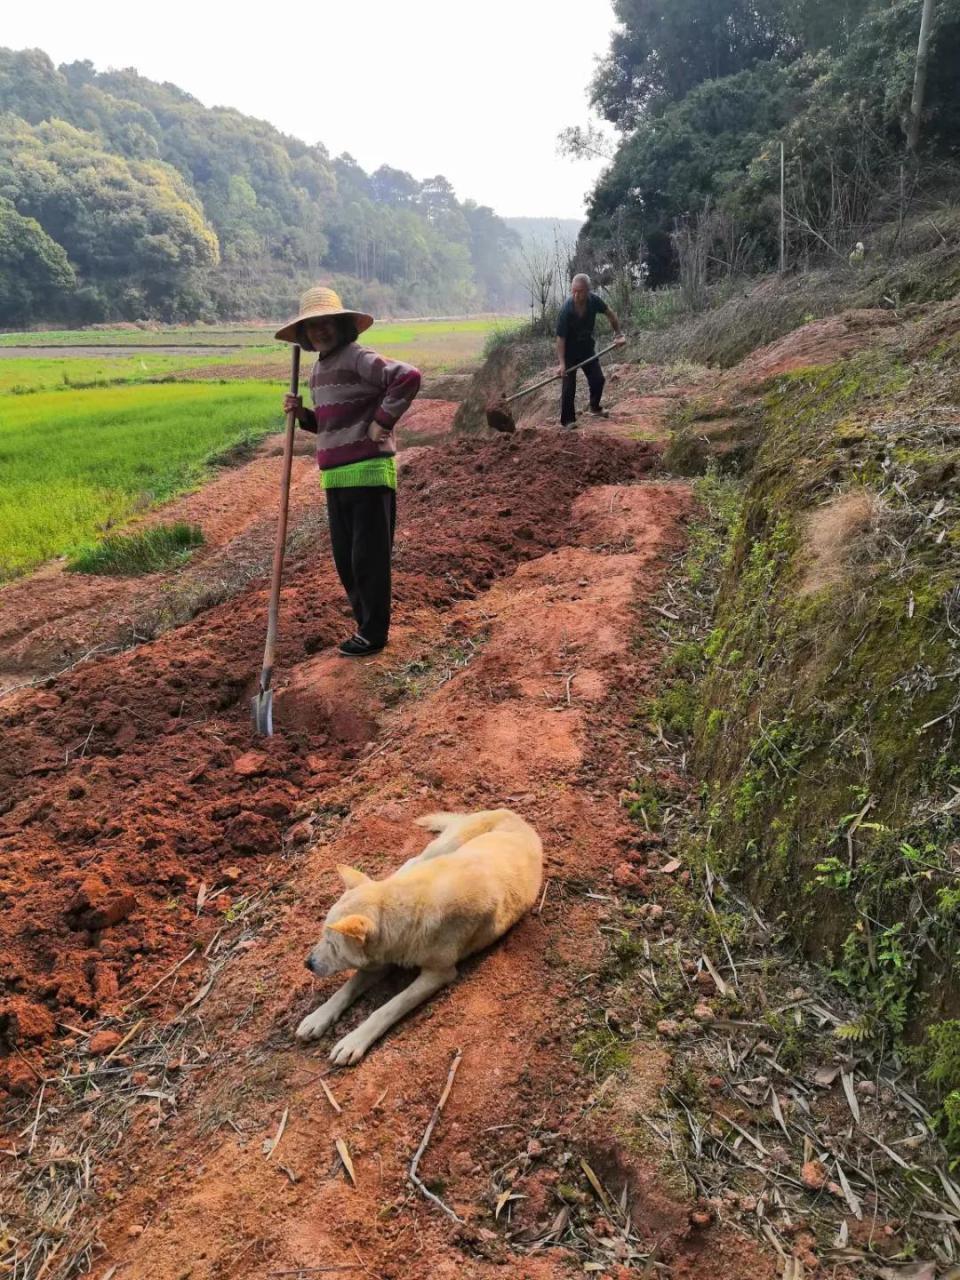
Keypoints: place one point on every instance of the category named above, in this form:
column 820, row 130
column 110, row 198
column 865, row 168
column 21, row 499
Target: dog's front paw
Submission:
column 315, row 1024
column 349, row 1050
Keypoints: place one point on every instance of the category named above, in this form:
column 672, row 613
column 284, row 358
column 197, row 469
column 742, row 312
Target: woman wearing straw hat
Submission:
column 358, row 396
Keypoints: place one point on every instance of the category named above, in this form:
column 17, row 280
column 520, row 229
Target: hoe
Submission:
column 499, row 416
column 262, row 704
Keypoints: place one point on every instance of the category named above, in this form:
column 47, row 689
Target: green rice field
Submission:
column 25, row 375
column 73, row 465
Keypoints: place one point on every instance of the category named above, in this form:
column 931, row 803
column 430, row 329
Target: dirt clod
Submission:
column 103, row 1042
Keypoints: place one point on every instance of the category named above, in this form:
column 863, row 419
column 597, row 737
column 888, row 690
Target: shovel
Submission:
column 262, row 704
column 499, row 416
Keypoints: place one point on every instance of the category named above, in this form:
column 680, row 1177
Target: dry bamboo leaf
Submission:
column 825, row 1076
column 718, row 981
column 504, row 1199
column 889, row 1152
column 950, row 1189
column 270, row 1144
column 846, row 1080
column 344, row 1153
column 202, row 994
column 201, row 896
column 774, row 1239
column 559, row 1224
column 330, row 1098
column 749, row 1136
column 778, row 1111
column 597, row 1186
column 848, row 1193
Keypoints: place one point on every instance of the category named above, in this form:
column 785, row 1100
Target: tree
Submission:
column 34, row 271
column 394, row 186
column 539, row 278
column 695, row 151
column 920, row 75
column 138, row 182
column 130, row 226
column 663, row 49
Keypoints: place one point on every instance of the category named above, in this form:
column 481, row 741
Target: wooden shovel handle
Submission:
column 279, row 547
column 554, row 376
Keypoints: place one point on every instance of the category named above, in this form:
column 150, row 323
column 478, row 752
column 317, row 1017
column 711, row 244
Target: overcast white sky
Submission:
column 476, row 92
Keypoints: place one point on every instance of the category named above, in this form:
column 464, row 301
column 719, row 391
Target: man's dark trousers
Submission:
column 362, row 524
column 568, row 393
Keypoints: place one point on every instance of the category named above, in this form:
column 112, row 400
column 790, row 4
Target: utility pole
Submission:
column 783, row 217
column 920, row 76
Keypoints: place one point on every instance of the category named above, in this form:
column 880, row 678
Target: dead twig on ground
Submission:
column 414, row 1163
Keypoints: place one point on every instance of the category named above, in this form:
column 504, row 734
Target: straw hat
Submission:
column 316, row 304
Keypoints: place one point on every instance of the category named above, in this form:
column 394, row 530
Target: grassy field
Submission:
column 166, row 336
column 24, row 375
column 87, row 441
column 404, row 333
column 76, row 465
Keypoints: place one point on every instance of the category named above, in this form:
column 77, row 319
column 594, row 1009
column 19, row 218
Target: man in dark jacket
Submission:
column 575, row 344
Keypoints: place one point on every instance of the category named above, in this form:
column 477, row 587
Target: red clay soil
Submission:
column 141, row 817
column 120, row 784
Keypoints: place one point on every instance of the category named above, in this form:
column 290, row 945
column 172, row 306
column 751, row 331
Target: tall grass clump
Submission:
column 505, row 334
column 149, row 551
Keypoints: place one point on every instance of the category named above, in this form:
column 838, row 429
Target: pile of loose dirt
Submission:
column 128, row 783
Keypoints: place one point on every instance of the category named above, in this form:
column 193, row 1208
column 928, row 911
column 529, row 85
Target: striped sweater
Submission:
column 358, row 396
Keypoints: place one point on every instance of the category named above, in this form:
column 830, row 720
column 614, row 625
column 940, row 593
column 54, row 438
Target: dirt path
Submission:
column 165, row 873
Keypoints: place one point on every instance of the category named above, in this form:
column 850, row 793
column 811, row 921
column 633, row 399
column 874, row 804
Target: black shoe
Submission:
column 357, row 647
column 568, row 426
column 599, row 413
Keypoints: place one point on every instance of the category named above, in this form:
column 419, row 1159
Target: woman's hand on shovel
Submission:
column 294, row 404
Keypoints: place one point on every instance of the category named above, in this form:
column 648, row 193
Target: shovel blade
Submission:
column 261, row 708
column 499, row 418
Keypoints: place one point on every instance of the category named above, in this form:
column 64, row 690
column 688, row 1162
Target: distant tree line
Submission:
column 124, row 199
column 702, row 93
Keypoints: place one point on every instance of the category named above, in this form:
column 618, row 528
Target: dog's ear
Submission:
column 351, row 877
column 357, row 928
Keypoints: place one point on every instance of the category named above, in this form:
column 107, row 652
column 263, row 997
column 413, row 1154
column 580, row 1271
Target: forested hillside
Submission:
column 703, row 92
column 123, row 199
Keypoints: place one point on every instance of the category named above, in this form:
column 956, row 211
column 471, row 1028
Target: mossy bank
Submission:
column 824, row 705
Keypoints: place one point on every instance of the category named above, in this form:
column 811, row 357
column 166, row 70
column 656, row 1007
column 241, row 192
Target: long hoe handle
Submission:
column 554, row 376
column 263, row 717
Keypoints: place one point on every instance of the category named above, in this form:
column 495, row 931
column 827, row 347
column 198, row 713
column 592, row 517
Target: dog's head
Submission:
column 347, row 930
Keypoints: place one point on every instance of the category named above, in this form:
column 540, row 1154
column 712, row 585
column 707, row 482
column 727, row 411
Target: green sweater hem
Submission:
column 372, row 472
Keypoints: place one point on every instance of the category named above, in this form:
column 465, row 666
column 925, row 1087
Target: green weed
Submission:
column 149, row 551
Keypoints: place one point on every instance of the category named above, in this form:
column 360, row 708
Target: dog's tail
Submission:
column 456, row 829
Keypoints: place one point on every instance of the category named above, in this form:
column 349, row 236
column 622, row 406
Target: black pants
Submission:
column 568, row 393
column 362, row 523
